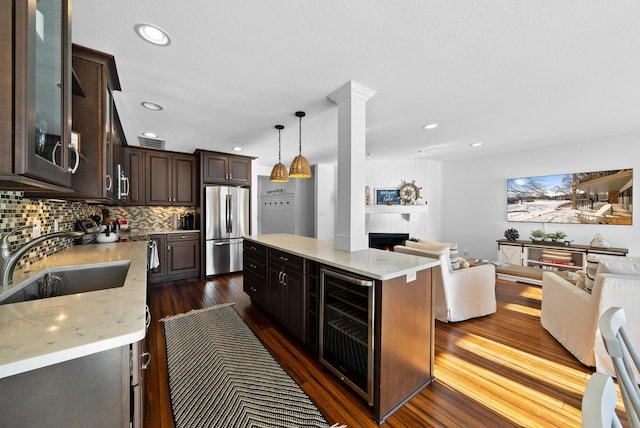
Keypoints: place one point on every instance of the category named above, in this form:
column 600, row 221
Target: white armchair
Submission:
column 459, row 294
column 570, row 314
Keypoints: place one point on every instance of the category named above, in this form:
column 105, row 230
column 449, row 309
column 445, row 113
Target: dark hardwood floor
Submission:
column 499, row 370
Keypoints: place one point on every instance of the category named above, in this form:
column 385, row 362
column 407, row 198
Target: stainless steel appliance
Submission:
column 90, row 230
column 140, row 360
column 226, row 218
column 346, row 329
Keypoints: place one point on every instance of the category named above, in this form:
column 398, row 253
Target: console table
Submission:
column 526, row 260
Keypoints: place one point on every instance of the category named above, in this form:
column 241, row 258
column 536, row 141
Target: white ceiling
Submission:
column 510, row 74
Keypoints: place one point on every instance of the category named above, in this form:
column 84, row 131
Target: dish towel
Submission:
column 153, row 261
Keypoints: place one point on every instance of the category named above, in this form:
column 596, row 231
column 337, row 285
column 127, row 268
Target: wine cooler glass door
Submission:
column 346, row 329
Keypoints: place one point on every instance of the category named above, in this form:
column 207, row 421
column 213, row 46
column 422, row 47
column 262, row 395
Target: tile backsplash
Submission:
column 146, row 218
column 18, row 211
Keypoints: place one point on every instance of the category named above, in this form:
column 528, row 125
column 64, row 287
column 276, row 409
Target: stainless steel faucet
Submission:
column 9, row 260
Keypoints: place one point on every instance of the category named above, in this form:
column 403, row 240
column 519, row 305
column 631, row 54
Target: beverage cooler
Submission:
column 346, row 329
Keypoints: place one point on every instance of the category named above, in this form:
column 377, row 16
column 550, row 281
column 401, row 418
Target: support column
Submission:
column 352, row 100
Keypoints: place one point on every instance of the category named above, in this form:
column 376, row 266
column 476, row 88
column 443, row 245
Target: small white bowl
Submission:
column 104, row 239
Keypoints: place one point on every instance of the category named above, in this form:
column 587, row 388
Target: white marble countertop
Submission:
column 43, row 332
column 372, row 263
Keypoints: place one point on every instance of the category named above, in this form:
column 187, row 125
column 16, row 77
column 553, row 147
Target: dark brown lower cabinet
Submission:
column 179, row 256
column 254, row 263
column 402, row 316
column 286, row 291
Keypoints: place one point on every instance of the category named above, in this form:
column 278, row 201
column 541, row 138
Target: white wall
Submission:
column 301, row 195
column 325, row 177
column 428, row 175
column 474, row 192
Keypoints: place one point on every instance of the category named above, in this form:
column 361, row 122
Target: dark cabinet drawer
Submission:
column 253, row 265
column 255, row 286
column 259, row 251
column 173, row 237
column 286, row 259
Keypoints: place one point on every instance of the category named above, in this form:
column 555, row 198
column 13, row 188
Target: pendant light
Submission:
column 300, row 166
column 279, row 171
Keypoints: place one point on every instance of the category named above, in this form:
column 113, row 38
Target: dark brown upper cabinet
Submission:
column 221, row 168
column 170, row 178
column 135, row 170
column 35, row 106
column 94, row 118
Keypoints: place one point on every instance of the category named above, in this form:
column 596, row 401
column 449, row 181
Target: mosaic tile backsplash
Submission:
column 18, row 211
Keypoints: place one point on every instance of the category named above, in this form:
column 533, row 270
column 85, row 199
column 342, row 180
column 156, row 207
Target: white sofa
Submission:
column 571, row 314
column 459, row 294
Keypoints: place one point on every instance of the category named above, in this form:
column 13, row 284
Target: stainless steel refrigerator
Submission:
column 226, row 211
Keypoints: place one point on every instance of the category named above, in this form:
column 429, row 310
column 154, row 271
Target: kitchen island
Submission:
column 65, row 361
column 368, row 314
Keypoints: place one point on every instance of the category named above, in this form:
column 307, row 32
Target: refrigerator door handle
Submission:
column 228, row 213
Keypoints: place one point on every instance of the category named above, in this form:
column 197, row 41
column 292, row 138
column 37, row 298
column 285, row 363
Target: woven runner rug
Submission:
column 220, row 375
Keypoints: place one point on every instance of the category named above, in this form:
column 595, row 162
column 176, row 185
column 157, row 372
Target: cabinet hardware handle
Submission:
column 284, row 259
column 110, row 180
column 53, row 153
column 284, row 278
column 147, row 363
column 280, row 277
column 147, row 316
column 168, row 247
column 73, row 169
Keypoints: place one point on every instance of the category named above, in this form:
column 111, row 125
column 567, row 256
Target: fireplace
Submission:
column 386, row 241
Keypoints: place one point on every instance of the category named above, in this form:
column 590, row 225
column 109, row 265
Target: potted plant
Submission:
column 559, row 236
column 548, row 237
column 537, row 235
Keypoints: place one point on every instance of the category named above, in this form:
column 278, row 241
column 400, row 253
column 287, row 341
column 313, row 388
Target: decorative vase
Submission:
column 599, row 241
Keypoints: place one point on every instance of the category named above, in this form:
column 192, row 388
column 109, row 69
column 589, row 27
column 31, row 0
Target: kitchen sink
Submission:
column 69, row 280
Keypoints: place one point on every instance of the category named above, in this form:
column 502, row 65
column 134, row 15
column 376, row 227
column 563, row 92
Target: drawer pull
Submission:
column 284, row 259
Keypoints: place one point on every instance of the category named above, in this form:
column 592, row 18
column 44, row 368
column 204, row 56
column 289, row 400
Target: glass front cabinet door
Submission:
column 42, row 91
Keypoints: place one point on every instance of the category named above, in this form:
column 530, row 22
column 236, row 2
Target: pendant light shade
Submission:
column 300, row 166
column 279, row 171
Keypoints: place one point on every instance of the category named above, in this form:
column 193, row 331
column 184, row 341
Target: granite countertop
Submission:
column 43, row 332
column 372, row 263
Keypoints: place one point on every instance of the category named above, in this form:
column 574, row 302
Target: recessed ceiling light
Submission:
column 475, row 144
column 151, row 106
column 237, row 149
column 153, row 34
column 150, row 135
column 431, row 126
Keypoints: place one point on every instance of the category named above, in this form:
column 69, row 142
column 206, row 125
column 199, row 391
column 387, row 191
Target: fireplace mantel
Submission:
column 404, row 210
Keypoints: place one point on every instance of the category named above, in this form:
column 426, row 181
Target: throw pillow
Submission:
column 453, row 251
column 593, row 262
column 621, row 267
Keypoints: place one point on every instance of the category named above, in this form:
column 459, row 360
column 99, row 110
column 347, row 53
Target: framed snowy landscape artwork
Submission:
column 601, row 197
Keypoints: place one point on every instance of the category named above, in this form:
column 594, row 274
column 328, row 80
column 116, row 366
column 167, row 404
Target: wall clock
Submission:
column 409, row 192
